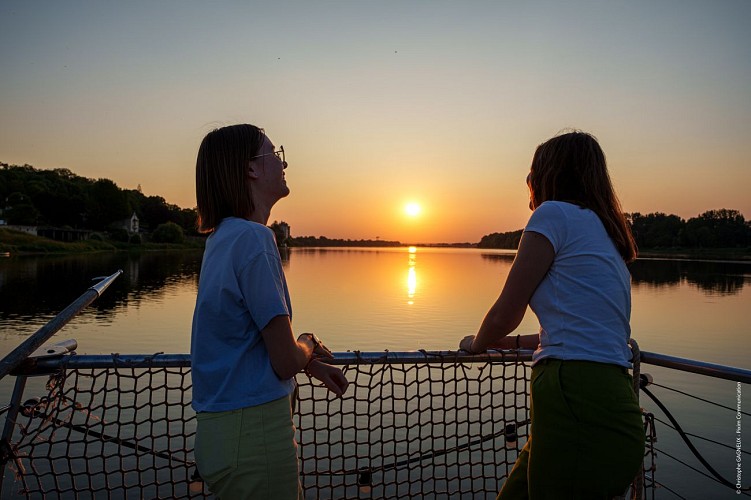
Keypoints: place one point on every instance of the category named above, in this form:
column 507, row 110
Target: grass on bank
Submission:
column 20, row 243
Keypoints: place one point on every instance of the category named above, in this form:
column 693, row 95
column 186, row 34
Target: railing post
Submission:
column 6, row 450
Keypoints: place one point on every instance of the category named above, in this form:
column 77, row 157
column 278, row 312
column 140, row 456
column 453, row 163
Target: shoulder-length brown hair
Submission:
column 571, row 167
column 221, row 179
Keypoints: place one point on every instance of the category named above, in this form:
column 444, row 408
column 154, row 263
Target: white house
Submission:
column 131, row 225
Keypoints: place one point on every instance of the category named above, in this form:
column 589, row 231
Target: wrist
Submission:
column 306, row 368
column 474, row 348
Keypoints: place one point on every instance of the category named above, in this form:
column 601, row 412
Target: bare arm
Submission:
column 533, row 259
column 288, row 356
column 529, row 341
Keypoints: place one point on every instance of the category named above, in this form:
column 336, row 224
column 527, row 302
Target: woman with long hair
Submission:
column 586, row 437
column 244, row 355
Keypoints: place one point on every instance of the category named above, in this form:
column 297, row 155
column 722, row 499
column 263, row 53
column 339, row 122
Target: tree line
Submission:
column 721, row 228
column 60, row 198
column 322, row 241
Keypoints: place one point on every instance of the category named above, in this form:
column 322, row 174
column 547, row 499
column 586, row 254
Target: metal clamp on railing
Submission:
column 30, row 365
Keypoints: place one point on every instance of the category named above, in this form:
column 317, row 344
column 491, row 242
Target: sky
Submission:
column 382, row 104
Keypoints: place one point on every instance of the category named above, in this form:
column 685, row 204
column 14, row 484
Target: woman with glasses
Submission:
column 586, row 437
column 244, row 356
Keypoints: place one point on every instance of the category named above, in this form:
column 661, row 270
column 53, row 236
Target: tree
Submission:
column 718, row 228
column 509, row 240
column 169, row 232
column 19, row 210
column 154, row 211
column 656, row 230
column 23, row 215
column 106, row 204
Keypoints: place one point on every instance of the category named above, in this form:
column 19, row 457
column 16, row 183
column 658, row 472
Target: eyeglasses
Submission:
column 279, row 154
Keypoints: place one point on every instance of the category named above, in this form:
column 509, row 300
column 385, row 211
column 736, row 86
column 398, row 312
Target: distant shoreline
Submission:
column 16, row 244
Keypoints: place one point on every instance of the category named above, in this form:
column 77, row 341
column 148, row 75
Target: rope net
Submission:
column 118, row 432
column 432, row 427
column 413, row 430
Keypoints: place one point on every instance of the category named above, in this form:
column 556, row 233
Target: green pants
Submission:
column 587, row 436
column 249, row 453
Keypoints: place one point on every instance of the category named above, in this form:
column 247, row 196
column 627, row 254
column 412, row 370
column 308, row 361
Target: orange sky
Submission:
column 380, row 104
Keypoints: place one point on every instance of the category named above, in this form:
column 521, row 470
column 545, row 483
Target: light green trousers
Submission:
column 249, row 453
column 587, row 436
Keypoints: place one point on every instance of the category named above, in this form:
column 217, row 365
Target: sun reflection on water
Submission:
column 411, row 275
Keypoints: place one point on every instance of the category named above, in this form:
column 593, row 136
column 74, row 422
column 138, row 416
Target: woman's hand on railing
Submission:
column 331, row 376
column 466, row 344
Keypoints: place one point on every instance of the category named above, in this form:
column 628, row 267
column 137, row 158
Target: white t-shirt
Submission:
column 241, row 288
column 584, row 301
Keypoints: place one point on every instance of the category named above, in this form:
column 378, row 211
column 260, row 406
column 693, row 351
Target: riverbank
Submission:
column 14, row 243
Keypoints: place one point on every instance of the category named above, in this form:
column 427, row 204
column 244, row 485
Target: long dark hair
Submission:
column 221, row 179
column 571, row 167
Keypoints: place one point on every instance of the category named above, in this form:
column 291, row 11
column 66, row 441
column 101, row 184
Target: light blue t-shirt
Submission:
column 241, row 288
column 584, row 302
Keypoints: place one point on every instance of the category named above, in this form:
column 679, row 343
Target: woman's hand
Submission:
column 466, row 344
column 331, row 376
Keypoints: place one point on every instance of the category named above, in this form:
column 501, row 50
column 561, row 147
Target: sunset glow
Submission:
column 413, row 122
column 412, row 209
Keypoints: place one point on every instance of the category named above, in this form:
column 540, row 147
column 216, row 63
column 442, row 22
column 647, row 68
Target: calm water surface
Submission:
column 398, row 299
column 366, row 299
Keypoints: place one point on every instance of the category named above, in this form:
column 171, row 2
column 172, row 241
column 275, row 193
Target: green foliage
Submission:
column 509, row 240
column 154, row 210
column 23, row 215
column 169, row 232
column 118, row 234
column 59, row 197
column 106, row 204
column 718, row 228
column 135, row 239
column 713, row 229
column 657, row 230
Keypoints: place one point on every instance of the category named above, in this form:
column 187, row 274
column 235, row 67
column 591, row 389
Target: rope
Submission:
column 734, row 410
column 667, row 424
column 690, row 445
column 671, row 490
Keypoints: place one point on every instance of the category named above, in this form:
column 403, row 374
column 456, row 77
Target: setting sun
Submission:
column 412, row 209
